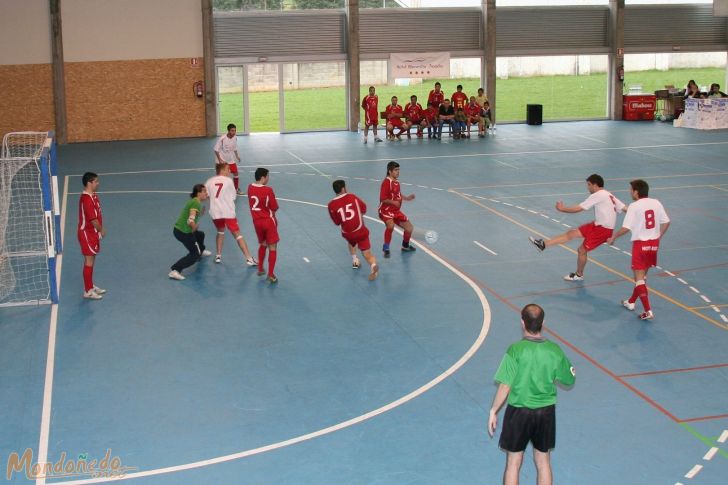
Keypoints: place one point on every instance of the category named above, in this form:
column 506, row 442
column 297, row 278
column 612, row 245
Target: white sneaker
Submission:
column 218, row 259
column 176, row 275
column 648, row 315
column 374, row 272
column 629, row 306
column 251, row 262
column 365, row 141
column 377, row 139
column 92, row 295
column 573, row 277
column 99, row 291
column 207, row 252
column 356, row 264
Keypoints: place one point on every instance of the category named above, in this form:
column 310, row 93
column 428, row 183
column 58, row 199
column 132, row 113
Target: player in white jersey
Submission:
column 595, row 233
column 226, row 151
column 221, row 192
column 647, row 220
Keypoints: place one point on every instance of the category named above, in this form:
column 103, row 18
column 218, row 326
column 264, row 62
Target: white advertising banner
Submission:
column 704, row 114
column 429, row 65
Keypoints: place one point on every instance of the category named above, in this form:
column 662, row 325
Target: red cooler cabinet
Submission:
column 639, row 107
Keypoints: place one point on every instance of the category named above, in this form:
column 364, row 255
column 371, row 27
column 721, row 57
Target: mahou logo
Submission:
column 642, row 105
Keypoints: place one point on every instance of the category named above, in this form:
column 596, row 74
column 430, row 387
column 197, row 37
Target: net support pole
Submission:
column 49, row 226
column 56, row 194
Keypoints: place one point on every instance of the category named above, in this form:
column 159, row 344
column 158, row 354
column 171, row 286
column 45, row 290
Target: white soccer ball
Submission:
column 431, row 237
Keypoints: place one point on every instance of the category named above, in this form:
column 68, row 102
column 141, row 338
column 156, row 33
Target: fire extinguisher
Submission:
column 199, row 89
column 620, row 73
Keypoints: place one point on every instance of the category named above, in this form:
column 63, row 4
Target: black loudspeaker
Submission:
column 534, row 114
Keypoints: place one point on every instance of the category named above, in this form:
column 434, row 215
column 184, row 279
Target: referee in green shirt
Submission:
column 527, row 376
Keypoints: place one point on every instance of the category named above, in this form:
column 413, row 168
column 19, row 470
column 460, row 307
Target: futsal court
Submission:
column 327, row 378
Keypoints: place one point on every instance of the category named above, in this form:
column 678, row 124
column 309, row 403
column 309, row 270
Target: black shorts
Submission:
column 521, row 425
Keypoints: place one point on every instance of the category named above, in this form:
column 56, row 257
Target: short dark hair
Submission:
column 642, row 188
column 88, row 177
column 231, row 126
column 260, row 172
column 413, row 96
column 438, row 84
column 338, row 185
column 459, row 86
column 197, row 189
column 391, row 166
column 595, row 179
column 371, row 87
column 394, row 97
column 532, row 316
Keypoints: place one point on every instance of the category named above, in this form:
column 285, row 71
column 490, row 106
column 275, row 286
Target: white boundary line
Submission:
column 484, row 329
column 491, row 252
column 45, row 422
column 307, row 164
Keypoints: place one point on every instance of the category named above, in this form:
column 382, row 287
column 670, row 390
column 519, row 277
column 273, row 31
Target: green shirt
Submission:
column 530, row 368
column 181, row 223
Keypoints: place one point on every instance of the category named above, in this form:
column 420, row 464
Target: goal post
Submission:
column 29, row 219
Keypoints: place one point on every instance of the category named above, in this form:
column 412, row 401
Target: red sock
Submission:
column 406, row 239
column 236, row 183
column 635, row 294
column 261, row 257
column 88, row 277
column 388, row 235
column 272, row 255
column 642, row 293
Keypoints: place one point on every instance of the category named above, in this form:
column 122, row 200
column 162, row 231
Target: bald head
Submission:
column 532, row 316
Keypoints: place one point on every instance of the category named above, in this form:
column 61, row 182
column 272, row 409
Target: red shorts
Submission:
column 233, row 168
column 371, row 118
column 396, row 215
column 358, row 238
column 231, row 224
column 474, row 120
column 594, row 236
column 90, row 242
column 266, row 230
column 395, row 122
column 644, row 254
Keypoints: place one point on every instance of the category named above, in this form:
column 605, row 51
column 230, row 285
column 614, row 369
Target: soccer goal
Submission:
column 29, row 219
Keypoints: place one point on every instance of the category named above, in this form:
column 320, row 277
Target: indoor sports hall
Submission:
column 326, row 377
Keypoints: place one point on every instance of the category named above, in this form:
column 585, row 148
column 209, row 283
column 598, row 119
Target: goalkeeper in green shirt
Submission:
column 527, row 377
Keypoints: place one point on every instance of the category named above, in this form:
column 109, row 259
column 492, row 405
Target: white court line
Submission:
column 715, row 308
column 532, row 211
column 565, row 224
column 724, row 318
column 593, row 139
column 434, row 157
column 484, row 329
column 491, row 252
column 668, row 273
column 506, row 164
column 710, row 454
column 433, row 188
column 694, row 471
column 723, row 436
column 306, row 163
column 506, row 203
column 682, row 281
column 306, row 259
column 695, row 290
column 705, row 298
column 45, row 421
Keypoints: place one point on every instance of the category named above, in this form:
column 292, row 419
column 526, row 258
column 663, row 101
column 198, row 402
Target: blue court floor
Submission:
column 327, row 378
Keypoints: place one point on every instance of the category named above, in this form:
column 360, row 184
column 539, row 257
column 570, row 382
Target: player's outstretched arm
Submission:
column 617, row 235
column 570, row 209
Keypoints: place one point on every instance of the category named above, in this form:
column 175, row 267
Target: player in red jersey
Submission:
column 347, row 210
column 415, row 116
column 263, row 207
column 436, row 96
column 459, row 99
column 390, row 203
column 472, row 111
column 394, row 114
column 370, row 104
column 90, row 231
column 647, row 220
column 432, row 116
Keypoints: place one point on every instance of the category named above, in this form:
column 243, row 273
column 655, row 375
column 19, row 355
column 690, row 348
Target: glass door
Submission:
column 314, row 95
column 263, row 95
column 231, row 98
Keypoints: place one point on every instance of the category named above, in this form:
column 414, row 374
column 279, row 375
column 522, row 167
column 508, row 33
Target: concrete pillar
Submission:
column 488, row 69
column 615, row 86
column 208, row 34
column 352, row 51
column 59, row 83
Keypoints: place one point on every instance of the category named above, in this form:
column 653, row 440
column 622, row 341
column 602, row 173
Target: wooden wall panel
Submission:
column 133, row 100
column 26, row 100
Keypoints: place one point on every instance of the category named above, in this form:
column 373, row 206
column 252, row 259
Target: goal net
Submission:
column 29, row 218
